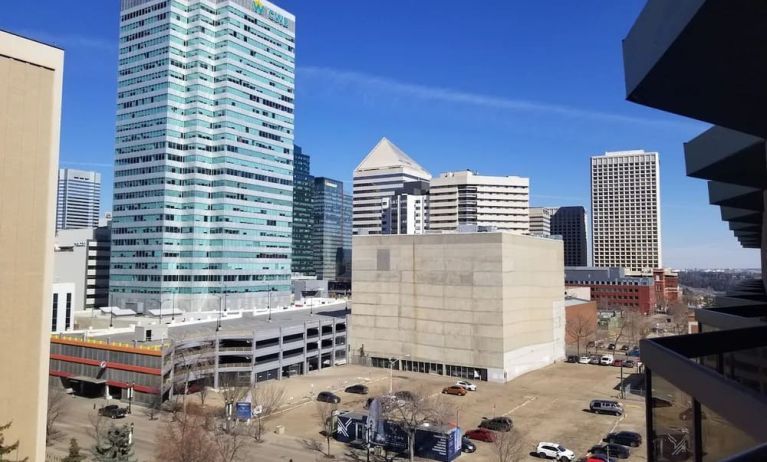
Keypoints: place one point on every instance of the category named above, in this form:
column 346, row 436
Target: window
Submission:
column 68, row 312
column 55, row 312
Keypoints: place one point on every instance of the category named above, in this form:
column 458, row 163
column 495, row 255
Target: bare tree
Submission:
column 229, row 444
column 269, row 398
column 57, row 407
column 203, row 393
column 153, row 407
column 191, row 360
column 173, row 406
column 413, row 413
column 508, row 446
column 579, row 327
column 186, row 440
column 679, row 314
column 325, row 413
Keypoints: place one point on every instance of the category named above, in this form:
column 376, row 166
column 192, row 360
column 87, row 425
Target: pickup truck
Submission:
column 113, row 411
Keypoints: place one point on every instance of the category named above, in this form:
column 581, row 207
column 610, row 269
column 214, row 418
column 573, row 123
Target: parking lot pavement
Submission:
column 550, row 404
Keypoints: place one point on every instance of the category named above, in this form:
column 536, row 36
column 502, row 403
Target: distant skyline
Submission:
column 506, row 88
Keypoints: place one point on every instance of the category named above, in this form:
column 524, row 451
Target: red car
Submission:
column 481, row 434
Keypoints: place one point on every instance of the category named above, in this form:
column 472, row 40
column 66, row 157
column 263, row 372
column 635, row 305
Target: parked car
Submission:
column 328, row 397
column 554, row 451
column 358, row 389
column 613, row 450
column 618, row 363
column 499, row 424
column 595, row 360
column 606, row 360
column 625, row 438
column 454, row 390
column 604, row 406
column 611, row 346
column 625, row 348
column 467, row 385
column 629, row 363
column 572, row 359
column 481, row 434
column 467, row 445
column 599, row 458
column 584, row 359
column 633, row 352
column 591, row 344
column 113, row 411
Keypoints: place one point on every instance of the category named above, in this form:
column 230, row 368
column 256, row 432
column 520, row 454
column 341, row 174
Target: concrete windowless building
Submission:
column 31, row 76
column 486, row 306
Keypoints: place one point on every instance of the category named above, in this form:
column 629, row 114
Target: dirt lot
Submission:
column 546, row 405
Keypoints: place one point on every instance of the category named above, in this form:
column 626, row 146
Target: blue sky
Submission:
column 503, row 87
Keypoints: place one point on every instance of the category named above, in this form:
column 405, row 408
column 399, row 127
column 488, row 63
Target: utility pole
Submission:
column 130, row 398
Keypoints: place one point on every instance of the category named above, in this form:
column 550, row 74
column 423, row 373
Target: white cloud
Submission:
column 342, row 78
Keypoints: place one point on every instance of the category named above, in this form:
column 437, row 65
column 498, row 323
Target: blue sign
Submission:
column 243, row 411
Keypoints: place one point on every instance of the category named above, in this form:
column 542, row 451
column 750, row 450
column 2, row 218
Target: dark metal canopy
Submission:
column 703, row 59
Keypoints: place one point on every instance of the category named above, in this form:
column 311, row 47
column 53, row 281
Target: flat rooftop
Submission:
column 241, row 324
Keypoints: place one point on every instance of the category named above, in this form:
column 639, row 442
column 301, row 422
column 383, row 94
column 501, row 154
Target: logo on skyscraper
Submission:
column 260, row 8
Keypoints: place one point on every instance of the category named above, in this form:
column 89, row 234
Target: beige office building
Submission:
column 30, row 110
column 483, row 306
column 625, row 211
column 464, row 199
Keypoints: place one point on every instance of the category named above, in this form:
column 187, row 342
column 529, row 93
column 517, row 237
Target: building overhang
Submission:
column 701, row 59
column 735, row 195
column 728, row 156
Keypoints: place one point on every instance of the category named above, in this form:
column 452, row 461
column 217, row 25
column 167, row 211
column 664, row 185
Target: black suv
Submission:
column 499, row 424
column 632, row 439
column 613, row 450
column 358, row 389
column 572, row 359
column 113, row 411
column 328, row 397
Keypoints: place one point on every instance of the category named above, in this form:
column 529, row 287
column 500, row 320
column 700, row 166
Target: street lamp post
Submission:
column 392, row 361
column 270, row 304
column 130, row 398
column 218, row 323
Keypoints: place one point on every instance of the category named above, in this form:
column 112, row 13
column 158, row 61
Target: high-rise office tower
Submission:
column 78, row 200
column 540, row 220
column 203, row 193
column 459, row 199
column 31, row 76
column 330, row 229
column 407, row 210
column 625, row 210
column 377, row 179
column 570, row 223
column 303, row 190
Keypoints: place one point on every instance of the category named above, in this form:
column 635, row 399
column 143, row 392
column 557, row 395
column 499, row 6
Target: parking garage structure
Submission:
column 163, row 361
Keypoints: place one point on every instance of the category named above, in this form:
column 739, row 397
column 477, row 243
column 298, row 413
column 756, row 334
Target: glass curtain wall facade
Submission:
column 570, row 223
column 329, row 228
column 303, row 188
column 203, row 189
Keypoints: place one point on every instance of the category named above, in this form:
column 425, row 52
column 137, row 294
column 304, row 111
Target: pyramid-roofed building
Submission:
column 386, row 155
column 388, row 183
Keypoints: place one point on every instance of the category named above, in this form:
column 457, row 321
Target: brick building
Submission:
column 611, row 288
column 667, row 290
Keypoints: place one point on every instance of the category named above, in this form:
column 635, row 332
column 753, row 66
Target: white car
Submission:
column 584, row 359
column 466, row 385
column 554, row 451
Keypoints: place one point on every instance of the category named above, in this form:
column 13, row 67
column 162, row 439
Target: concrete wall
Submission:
column 30, row 110
column 488, row 300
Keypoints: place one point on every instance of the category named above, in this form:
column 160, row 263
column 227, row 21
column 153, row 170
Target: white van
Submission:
column 606, row 360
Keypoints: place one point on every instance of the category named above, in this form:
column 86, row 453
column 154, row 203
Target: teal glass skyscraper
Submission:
column 203, row 189
column 303, row 190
